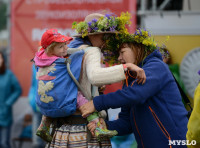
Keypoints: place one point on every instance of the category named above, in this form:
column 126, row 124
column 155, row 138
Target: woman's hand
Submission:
column 87, row 108
column 92, row 125
column 140, row 74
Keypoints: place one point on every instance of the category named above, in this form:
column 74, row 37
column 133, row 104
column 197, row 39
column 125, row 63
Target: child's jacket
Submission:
column 56, row 91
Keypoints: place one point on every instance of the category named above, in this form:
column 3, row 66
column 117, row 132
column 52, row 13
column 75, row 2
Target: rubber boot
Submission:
column 101, row 132
column 43, row 130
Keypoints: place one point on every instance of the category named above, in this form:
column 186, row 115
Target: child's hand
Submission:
column 87, row 108
column 140, row 74
column 103, row 123
column 92, row 125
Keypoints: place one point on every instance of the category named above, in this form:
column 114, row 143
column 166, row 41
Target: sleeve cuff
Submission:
column 97, row 103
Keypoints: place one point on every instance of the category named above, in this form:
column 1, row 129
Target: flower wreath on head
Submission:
column 141, row 36
column 107, row 23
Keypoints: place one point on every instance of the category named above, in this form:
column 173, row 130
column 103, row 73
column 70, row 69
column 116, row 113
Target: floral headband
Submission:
column 109, row 23
column 141, row 36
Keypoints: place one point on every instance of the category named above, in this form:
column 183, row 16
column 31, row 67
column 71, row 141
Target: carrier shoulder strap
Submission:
column 68, row 61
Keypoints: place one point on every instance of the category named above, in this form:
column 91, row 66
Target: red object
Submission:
column 52, row 35
column 112, row 87
column 125, row 67
column 31, row 18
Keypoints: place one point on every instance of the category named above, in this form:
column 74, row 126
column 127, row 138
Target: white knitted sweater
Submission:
column 93, row 74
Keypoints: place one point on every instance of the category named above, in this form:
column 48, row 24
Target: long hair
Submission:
column 3, row 67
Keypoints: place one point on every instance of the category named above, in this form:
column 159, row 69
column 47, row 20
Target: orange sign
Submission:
column 30, row 18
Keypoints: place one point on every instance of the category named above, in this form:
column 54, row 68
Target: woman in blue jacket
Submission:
column 10, row 90
column 153, row 111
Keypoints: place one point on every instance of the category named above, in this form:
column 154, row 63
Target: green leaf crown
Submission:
column 141, row 36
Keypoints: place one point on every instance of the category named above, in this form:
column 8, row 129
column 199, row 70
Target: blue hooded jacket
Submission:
column 57, row 93
column 153, row 111
column 56, row 97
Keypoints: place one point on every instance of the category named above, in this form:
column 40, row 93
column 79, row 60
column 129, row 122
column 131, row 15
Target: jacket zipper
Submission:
column 160, row 125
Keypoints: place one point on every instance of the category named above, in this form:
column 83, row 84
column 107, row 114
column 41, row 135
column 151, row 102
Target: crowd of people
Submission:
column 67, row 72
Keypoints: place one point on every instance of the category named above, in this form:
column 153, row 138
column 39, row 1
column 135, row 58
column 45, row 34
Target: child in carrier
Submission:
column 57, row 93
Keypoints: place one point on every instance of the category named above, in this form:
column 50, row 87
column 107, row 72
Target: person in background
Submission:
column 193, row 133
column 37, row 116
column 174, row 68
column 10, row 91
column 27, row 127
column 153, row 111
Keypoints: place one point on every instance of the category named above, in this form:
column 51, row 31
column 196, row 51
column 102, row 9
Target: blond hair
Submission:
column 50, row 48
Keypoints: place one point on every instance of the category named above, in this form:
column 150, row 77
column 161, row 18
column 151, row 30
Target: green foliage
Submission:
column 3, row 9
column 114, row 43
column 109, row 22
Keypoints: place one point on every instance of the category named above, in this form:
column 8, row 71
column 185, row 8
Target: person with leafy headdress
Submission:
column 153, row 111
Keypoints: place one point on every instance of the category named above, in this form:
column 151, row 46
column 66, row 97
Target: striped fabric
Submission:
column 75, row 136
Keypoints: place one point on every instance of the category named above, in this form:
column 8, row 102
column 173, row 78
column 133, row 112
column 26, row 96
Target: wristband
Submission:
column 125, row 67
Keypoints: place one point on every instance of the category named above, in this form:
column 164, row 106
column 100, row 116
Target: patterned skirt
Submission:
column 75, row 136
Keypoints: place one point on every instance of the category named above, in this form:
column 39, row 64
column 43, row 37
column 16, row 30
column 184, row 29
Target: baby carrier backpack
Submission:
column 57, row 86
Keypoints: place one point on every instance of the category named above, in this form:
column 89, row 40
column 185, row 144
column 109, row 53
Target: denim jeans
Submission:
column 5, row 136
column 37, row 141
